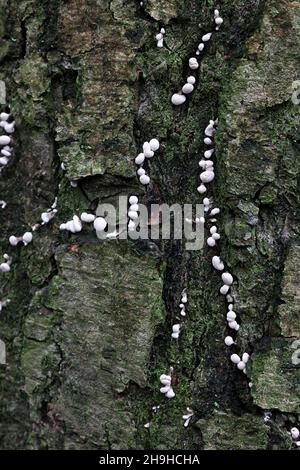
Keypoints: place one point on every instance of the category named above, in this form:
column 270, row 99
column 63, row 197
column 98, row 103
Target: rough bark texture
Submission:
column 87, row 330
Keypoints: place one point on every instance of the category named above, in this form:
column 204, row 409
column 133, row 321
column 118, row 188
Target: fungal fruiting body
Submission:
column 160, row 38
column 218, row 19
column 149, row 148
column 176, row 331
column 178, row 99
column 4, row 303
column 295, row 433
column 8, row 126
column 187, row 417
column 167, row 389
column 133, row 214
column 5, row 267
column 73, row 225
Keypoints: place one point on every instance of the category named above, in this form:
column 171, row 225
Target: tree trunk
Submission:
column 87, row 331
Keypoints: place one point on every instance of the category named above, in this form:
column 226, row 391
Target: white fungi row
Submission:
column 5, row 140
column 179, row 98
column 208, row 176
column 5, row 267
column 183, row 303
column 176, row 331
column 133, row 212
column 75, row 225
column 167, row 389
column 160, row 38
column 148, row 152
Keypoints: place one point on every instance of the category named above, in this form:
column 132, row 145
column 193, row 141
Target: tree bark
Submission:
column 87, row 331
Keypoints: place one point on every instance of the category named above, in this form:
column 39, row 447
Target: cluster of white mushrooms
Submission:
column 207, row 176
column 8, row 126
column 179, row 98
column 160, row 38
column 5, row 266
column 133, row 212
column 167, row 389
column 148, row 152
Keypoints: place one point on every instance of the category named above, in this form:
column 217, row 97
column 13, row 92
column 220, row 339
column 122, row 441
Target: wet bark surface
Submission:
column 87, row 332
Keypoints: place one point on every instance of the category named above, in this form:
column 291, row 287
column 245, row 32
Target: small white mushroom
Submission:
column 201, row 189
column 177, row 99
column 3, row 161
column 27, row 238
column 210, row 130
column 231, row 316
column 211, row 241
column 4, row 267
column 131, row 225
column 191, row 80
column 229, row 341
column 207, row 176
column 134, row 207
column 224, row 290
column 88, row 218
column 295, row 433
column 235, row 358
column 208, row 141
column 208, row 153
column 215, row 211
column 147, row 150
column 133, row 215
column 154, row 144
column 4, row 116
column 170, row 393
column 165, row 379
column 187, row 88
column 227, row 279
column 193, row 63
column 201, row 46
column 13, row 240
column 141, row 172
column 206, row 37
column 144, row 180
column 217, row 263
column 100, row 224
column 133, row 200
column 139, row 160
column 245, row 358
column 241, row 365
column 164, row 389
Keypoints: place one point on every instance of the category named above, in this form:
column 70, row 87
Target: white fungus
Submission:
column 201, row 189
column 154, row 144
column 295, row 433
column 193, row 63
column 224, row 290
column 207, row 176
column 229, row 341
column 88, row 218
column 191, row 80
column 206, row 37
column 140, row 159
column 177, row 99
column 217, row 263
column 245, row 358
column 227, row 279
column 187, row 88
column 241, row 365
column 133, row 200
column 5, row 140
column 144, row 180
column 211, row 242
column 27, row 238
column 235, row 358
column 100, row 224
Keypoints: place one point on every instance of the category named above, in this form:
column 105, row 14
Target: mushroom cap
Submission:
column 206, row 37
column 170, row 393
column 100, row 224
column 227, row 279
column 85, row 217
column 27, row 237
column 224, row 290
column 140, row 159
column 13, row 240
column 178, row 99
column 235, row 358
column 187, row 88
column 5, row 140
column 207, row 176
column 154, row 144
column 144, row 179
column 133, row 200
column 191, row 79
column 229, row 341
